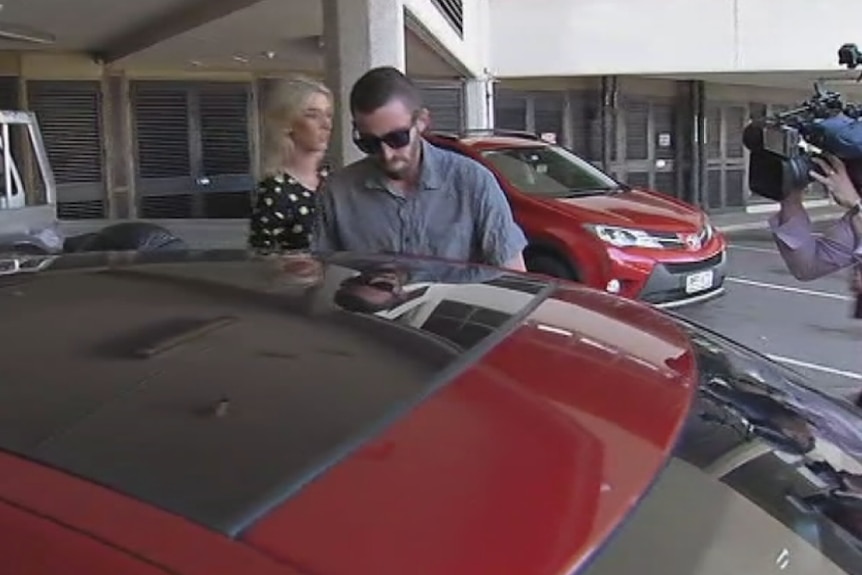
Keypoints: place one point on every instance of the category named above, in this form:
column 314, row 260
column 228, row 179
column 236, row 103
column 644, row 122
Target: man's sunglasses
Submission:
column 395, row 140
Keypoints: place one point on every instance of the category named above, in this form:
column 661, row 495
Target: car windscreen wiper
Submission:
column 595, row 190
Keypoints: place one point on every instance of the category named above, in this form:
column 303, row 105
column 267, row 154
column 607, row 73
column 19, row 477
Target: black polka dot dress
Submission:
column 282, row 215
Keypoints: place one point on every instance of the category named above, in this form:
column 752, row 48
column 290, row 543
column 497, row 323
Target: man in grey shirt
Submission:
column 408, row 196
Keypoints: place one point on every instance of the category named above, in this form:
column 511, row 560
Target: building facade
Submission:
column 157, row 114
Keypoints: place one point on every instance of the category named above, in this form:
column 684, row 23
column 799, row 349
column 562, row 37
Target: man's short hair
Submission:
column 379, row 86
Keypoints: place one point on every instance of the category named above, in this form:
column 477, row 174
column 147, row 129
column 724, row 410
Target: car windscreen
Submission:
column 550, row 171
column 767, row 475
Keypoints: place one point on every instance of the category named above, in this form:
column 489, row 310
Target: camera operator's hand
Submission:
column 837, row 181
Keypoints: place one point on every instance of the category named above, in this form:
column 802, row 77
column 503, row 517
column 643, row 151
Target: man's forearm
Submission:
column 791, row 207
column 856, row 222
column 809, row 256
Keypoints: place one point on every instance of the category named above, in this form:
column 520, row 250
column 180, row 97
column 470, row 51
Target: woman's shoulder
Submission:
column 276, row 182
column 280, row 182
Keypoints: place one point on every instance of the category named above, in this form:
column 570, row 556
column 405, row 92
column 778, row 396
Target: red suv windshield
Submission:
column 549, row 171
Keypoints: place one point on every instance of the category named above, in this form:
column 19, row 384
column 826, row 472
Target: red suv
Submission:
column 584, row 225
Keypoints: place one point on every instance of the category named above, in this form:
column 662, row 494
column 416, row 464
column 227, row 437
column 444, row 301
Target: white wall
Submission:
column 584, row 37
column 471, row 52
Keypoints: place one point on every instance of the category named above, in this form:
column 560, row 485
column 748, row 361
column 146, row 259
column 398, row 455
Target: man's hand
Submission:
column 839, row 184
column 837, row 181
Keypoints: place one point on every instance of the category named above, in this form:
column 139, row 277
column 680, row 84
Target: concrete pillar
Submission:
column 358, row 35
column 117, row 135
column 568, row 135
column 479, row 103
column 28, row 163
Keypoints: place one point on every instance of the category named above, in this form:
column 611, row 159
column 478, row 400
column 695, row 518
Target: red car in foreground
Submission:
column 213, row 413
column 583, row 225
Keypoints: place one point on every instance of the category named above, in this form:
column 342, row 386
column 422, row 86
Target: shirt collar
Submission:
column 429, row 177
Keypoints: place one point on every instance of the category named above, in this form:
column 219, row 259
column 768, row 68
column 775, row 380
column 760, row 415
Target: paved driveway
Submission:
column 806, row 325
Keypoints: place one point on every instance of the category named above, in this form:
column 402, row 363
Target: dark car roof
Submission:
column 290, row 406
column 191, row 387
column 216, row 385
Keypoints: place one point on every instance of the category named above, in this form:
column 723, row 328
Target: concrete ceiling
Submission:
column 81, row 25
column 259, row 35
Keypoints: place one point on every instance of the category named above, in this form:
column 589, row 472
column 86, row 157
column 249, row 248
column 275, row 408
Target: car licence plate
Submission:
column 698, row 282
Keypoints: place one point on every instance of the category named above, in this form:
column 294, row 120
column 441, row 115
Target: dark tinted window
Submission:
column 767, row 475
column 775, row 463
column 809, row 500
column 797, row 452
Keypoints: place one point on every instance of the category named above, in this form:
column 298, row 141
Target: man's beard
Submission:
column 403, row 172
column 394, row 174
column 397, row 175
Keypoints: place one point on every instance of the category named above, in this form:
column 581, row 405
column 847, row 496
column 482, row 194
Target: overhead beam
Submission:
column 165, row 26
column 412, row 23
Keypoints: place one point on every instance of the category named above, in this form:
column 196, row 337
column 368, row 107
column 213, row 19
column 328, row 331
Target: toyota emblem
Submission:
column 692, row 242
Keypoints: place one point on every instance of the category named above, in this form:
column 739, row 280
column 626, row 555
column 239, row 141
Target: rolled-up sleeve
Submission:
column 501, row 239
column 324, row 237
column 810, row 256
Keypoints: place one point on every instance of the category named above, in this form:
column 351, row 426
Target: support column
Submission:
column 531, row 113
column 358, row 35
column 114, row 176
column 479, row 103
column 568, row 135
column 693, row 147
column 699, row 186
column 34, row 196
column 119, row 147
column 609, row 99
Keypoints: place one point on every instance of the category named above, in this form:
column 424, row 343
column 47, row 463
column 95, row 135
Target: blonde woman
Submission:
column 297, row 129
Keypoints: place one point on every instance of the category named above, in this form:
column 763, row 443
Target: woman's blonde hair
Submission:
column 285, row 103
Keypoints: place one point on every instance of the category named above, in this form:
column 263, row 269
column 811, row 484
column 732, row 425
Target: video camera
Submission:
column 778, row 162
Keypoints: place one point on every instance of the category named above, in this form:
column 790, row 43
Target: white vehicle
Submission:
column 28, row 201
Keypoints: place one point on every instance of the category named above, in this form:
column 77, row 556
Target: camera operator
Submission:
column 809, row 256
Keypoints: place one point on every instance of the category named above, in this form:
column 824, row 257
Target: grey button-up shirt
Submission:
column 459, row 213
